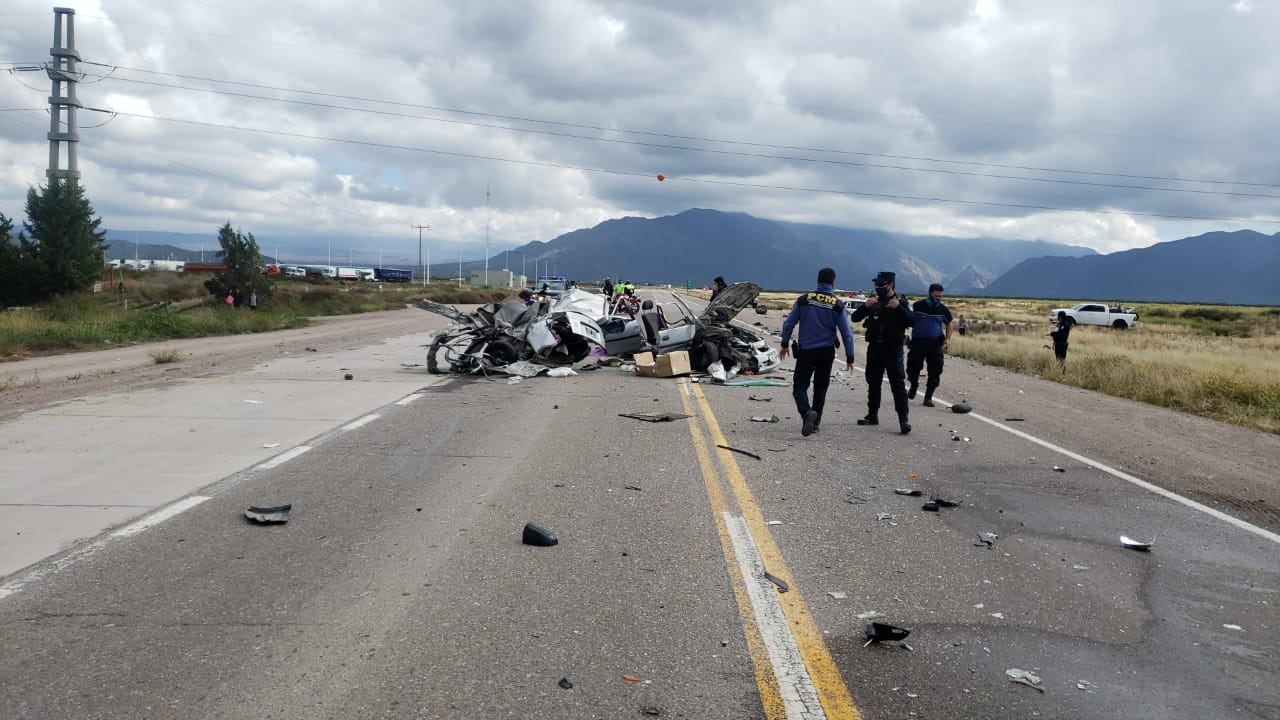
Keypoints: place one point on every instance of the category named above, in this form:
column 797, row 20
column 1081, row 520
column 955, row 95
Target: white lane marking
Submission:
column 356, row 424
column 408, row 399
column 159, row 516
column 799, row 696
column 1188, row 502
column 282, row 458
column 16, row 584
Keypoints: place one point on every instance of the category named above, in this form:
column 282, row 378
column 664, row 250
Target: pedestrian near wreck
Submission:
column 930, row 338
column 962, row 326
column 717, row 286
column 822, row 320
column 607, row 287
column 253, row 300
column 1060, row 333
column 886, row 318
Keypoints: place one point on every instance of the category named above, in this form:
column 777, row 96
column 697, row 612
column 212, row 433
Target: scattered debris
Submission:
column 882, row 632
column 855, row 499
column 632, row 487
column 913, row 476
column 513, row 380
column 930, row 506
column 1024, row 677
column 537, row 535
column 885, row 516
column 561, row 372
column 269, row 446
column 1079, row 567
column 909, row 492
column 348, row 376
column 987, row 538
column 651, row 710
column 631, row 678
column 774, row 522
column 311, row 350
column 741, row 452
column 1232, row 626
column 945, row 503
column 252, row 402
column 961, row 407
column 589, row 368
column 763, row 419
column 782, row 584
column 655, row 417
column 1059, row 469
column 759, row 399
column 868, row 615
column 998, row 616
column 1085, row 685
column 564, row 683
column 277, row 515
column 1015, row 419
column 1132, row 544
column 837, row 594
column 754, row 383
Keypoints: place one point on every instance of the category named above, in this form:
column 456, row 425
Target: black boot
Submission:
column 870, row 419
column 928, row 397
column 911, row 391
column 903, row 425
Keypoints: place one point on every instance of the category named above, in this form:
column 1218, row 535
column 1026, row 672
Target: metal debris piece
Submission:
column 763, row 419
column 311, row 350
column 930, row 506
column 908, row 492
column 631, row 487
column 885, row 516
column 868, row 615
column 837, row 594
column 654, row 417
column 759, row 399
column 998, row 616
column 651, row 710
column 537, row 535
column 1132, row 544
column 883, row 632
column 987, row 538
column 564, row 683
column 1024, row 677
column 277, row 515
column 782, row 584
column 754, row 383
column 1079, row 567
column 1059, row 469
column 1014, row 419
column 348, row 376
column 513, row 380
column 774, row 522
column 945, row 503
column 1085, row 685
column 1232, row 626
column 269, row 446
column 741, row 452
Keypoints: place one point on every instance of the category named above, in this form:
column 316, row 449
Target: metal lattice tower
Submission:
column 62, row 97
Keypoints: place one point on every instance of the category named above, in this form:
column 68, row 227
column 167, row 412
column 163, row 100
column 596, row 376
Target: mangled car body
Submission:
column 565, row 330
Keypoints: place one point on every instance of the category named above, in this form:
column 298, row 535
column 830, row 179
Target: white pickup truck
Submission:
column 1120, row 318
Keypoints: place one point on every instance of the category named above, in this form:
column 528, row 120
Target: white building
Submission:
column 496, row 278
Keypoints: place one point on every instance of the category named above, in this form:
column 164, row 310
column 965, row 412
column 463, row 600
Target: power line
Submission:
column 713, row 151
column 629, row 173
column 582, row 126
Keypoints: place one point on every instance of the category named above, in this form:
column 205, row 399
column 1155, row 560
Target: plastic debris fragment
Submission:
column 1132, row 544
column 1024, row 677
column 537, row 535
column 276, row 515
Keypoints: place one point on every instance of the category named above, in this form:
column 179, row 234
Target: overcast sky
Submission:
column 361, row 119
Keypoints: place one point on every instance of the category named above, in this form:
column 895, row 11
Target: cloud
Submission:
column 360, row 121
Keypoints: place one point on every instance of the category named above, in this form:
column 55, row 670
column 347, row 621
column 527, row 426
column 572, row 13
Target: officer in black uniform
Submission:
column 886, row 318
column 930, row 336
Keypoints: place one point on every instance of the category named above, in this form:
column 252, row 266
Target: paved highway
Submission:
column 400, row 588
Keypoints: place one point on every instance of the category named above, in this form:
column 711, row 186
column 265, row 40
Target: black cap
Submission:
column 884, row 277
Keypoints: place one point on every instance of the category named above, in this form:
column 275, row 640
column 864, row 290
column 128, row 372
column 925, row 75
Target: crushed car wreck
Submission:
column 564, row 331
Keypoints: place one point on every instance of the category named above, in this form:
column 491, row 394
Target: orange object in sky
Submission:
column 661, row 177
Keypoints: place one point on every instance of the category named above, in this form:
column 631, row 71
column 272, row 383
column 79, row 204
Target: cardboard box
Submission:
column 671, row 364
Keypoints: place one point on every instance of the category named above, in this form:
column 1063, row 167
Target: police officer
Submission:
column 1061, row 334
column 886, row 318
column 820, row 315
column 930, row 335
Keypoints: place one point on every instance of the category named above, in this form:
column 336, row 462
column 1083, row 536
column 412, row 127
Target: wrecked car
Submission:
column 497, row 335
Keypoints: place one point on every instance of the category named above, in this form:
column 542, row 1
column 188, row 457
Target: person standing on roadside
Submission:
column 930, row 337
column 253, row 300
column 717, row 286
column 820, row 315
column 962, row 326
column 886, row 318
column 1060, row 333
column 607, row 287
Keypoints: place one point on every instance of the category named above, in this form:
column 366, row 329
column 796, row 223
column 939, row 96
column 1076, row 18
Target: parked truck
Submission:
column 1120, row 318
column 392, row 275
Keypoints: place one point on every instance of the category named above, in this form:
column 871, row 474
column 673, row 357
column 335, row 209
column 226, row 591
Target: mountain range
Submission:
column 697, row 245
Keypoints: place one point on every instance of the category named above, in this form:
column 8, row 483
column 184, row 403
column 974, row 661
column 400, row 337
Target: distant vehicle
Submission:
column 365, row 273
column 203, row 267
column 1120, row 318
column 295, row 271
column 392, row 275
column 348, row 273
column 273, row 269
column 321, row 271
column 555, row 285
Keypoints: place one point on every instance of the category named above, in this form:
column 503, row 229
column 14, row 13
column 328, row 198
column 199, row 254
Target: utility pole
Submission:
column 63, row 75
column 426, row 267
column 486, row 233
column 459, row 268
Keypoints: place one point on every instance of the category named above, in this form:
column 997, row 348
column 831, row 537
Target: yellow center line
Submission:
column 834, row 695
column 770, row 695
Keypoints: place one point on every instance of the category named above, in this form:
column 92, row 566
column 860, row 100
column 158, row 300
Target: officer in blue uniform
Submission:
column 820, row 315
column 886, row 318
column 930, row 335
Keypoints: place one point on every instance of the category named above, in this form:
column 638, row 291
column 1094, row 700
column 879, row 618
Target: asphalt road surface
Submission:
column 400, row 587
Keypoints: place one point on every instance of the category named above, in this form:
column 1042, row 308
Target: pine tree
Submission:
column 245, row 273
column 62, row 240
